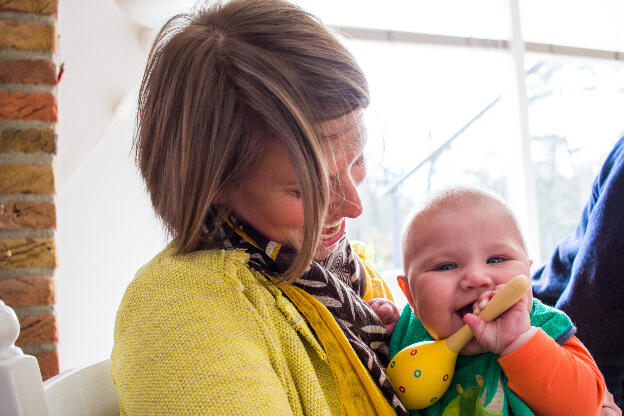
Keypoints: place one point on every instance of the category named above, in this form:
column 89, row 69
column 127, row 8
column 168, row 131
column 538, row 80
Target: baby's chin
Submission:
column 473, row 348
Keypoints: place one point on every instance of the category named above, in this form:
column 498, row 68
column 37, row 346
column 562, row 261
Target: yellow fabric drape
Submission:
column 358, row 392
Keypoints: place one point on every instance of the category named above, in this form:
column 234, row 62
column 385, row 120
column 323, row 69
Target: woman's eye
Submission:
column 358, row 170
column 296, row 194
column 359, row 161
column 447, row 266
column 494, row 260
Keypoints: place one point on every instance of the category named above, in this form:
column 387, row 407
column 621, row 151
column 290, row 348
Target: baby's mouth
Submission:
column 463, row 311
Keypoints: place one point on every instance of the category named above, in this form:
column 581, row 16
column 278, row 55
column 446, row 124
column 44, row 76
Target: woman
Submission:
column 250, row 142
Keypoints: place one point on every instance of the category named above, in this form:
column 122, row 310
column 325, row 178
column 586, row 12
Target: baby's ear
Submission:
column 530, row 263
column 404, row 285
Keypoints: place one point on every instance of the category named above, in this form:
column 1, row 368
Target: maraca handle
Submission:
column 509, row 294
column 504, row 299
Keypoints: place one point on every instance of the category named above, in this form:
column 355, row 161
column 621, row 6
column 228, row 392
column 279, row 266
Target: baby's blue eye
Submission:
column 447, row 266
column 494, row 260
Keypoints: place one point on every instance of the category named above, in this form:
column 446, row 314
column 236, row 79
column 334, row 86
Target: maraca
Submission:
column 421, row 373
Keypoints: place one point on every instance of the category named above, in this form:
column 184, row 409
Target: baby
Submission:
column 457, row 252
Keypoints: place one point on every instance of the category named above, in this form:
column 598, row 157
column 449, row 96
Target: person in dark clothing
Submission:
column 585, row 276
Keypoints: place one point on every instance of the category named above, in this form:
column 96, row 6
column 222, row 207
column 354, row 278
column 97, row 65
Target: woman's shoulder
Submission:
column 196, row 297
column 202, row 283
column 198, row 269
column 191, row 324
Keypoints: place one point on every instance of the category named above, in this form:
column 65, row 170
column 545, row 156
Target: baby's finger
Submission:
column 476, row 324
column 483, row 300
column 609, row 408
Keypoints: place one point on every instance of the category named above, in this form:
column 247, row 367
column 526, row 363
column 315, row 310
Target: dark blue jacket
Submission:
column 585, row 276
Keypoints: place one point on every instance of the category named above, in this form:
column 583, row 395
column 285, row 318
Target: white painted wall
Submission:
column 106, row 228
column 106, row 231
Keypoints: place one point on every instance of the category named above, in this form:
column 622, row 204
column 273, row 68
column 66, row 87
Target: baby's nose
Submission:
column 476, row 278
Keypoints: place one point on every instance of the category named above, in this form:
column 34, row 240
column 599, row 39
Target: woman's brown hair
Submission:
column 218, row 83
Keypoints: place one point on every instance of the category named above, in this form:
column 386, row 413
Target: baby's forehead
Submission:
column 465, row 207
column 462, row 204
column 454, row 207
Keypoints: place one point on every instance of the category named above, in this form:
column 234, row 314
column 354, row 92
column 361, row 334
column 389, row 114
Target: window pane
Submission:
column 421, row 97
column 488, row 18
column 593, row 24
column 575, row 117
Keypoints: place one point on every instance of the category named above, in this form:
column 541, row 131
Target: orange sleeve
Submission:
column 553, row 379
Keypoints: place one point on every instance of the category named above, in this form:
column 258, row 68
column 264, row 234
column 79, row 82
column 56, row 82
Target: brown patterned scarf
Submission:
column 338, row 282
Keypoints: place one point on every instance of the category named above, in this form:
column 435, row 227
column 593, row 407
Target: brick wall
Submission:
column 28, row 116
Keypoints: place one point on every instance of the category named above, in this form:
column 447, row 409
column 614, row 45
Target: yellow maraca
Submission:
column 421, row 373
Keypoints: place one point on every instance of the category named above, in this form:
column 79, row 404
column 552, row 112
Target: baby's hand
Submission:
column 387, row 312
column 506, row 333
column 609, row 408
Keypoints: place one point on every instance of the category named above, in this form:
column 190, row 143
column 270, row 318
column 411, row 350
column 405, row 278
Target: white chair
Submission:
column 88, row 391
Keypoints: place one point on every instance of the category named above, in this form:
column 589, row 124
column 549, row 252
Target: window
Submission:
column 439, row 116
column 575, row 117
column 445, row 112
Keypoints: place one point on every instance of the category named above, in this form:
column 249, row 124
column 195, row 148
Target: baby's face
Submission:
column 454, row 256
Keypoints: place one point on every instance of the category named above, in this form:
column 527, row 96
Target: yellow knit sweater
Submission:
column 194, row 331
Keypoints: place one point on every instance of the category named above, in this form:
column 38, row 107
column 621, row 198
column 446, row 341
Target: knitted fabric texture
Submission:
column 191, row 330
column 338, row 282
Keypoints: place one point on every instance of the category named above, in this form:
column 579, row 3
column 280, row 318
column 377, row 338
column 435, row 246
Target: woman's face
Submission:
column 270, row 199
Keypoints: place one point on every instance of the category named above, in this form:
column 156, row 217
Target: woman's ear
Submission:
column 404, row 285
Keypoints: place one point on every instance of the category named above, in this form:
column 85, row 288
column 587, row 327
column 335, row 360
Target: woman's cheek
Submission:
column 291, row 213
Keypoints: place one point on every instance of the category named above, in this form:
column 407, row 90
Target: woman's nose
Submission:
column 474, row 277
column 345, row 200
